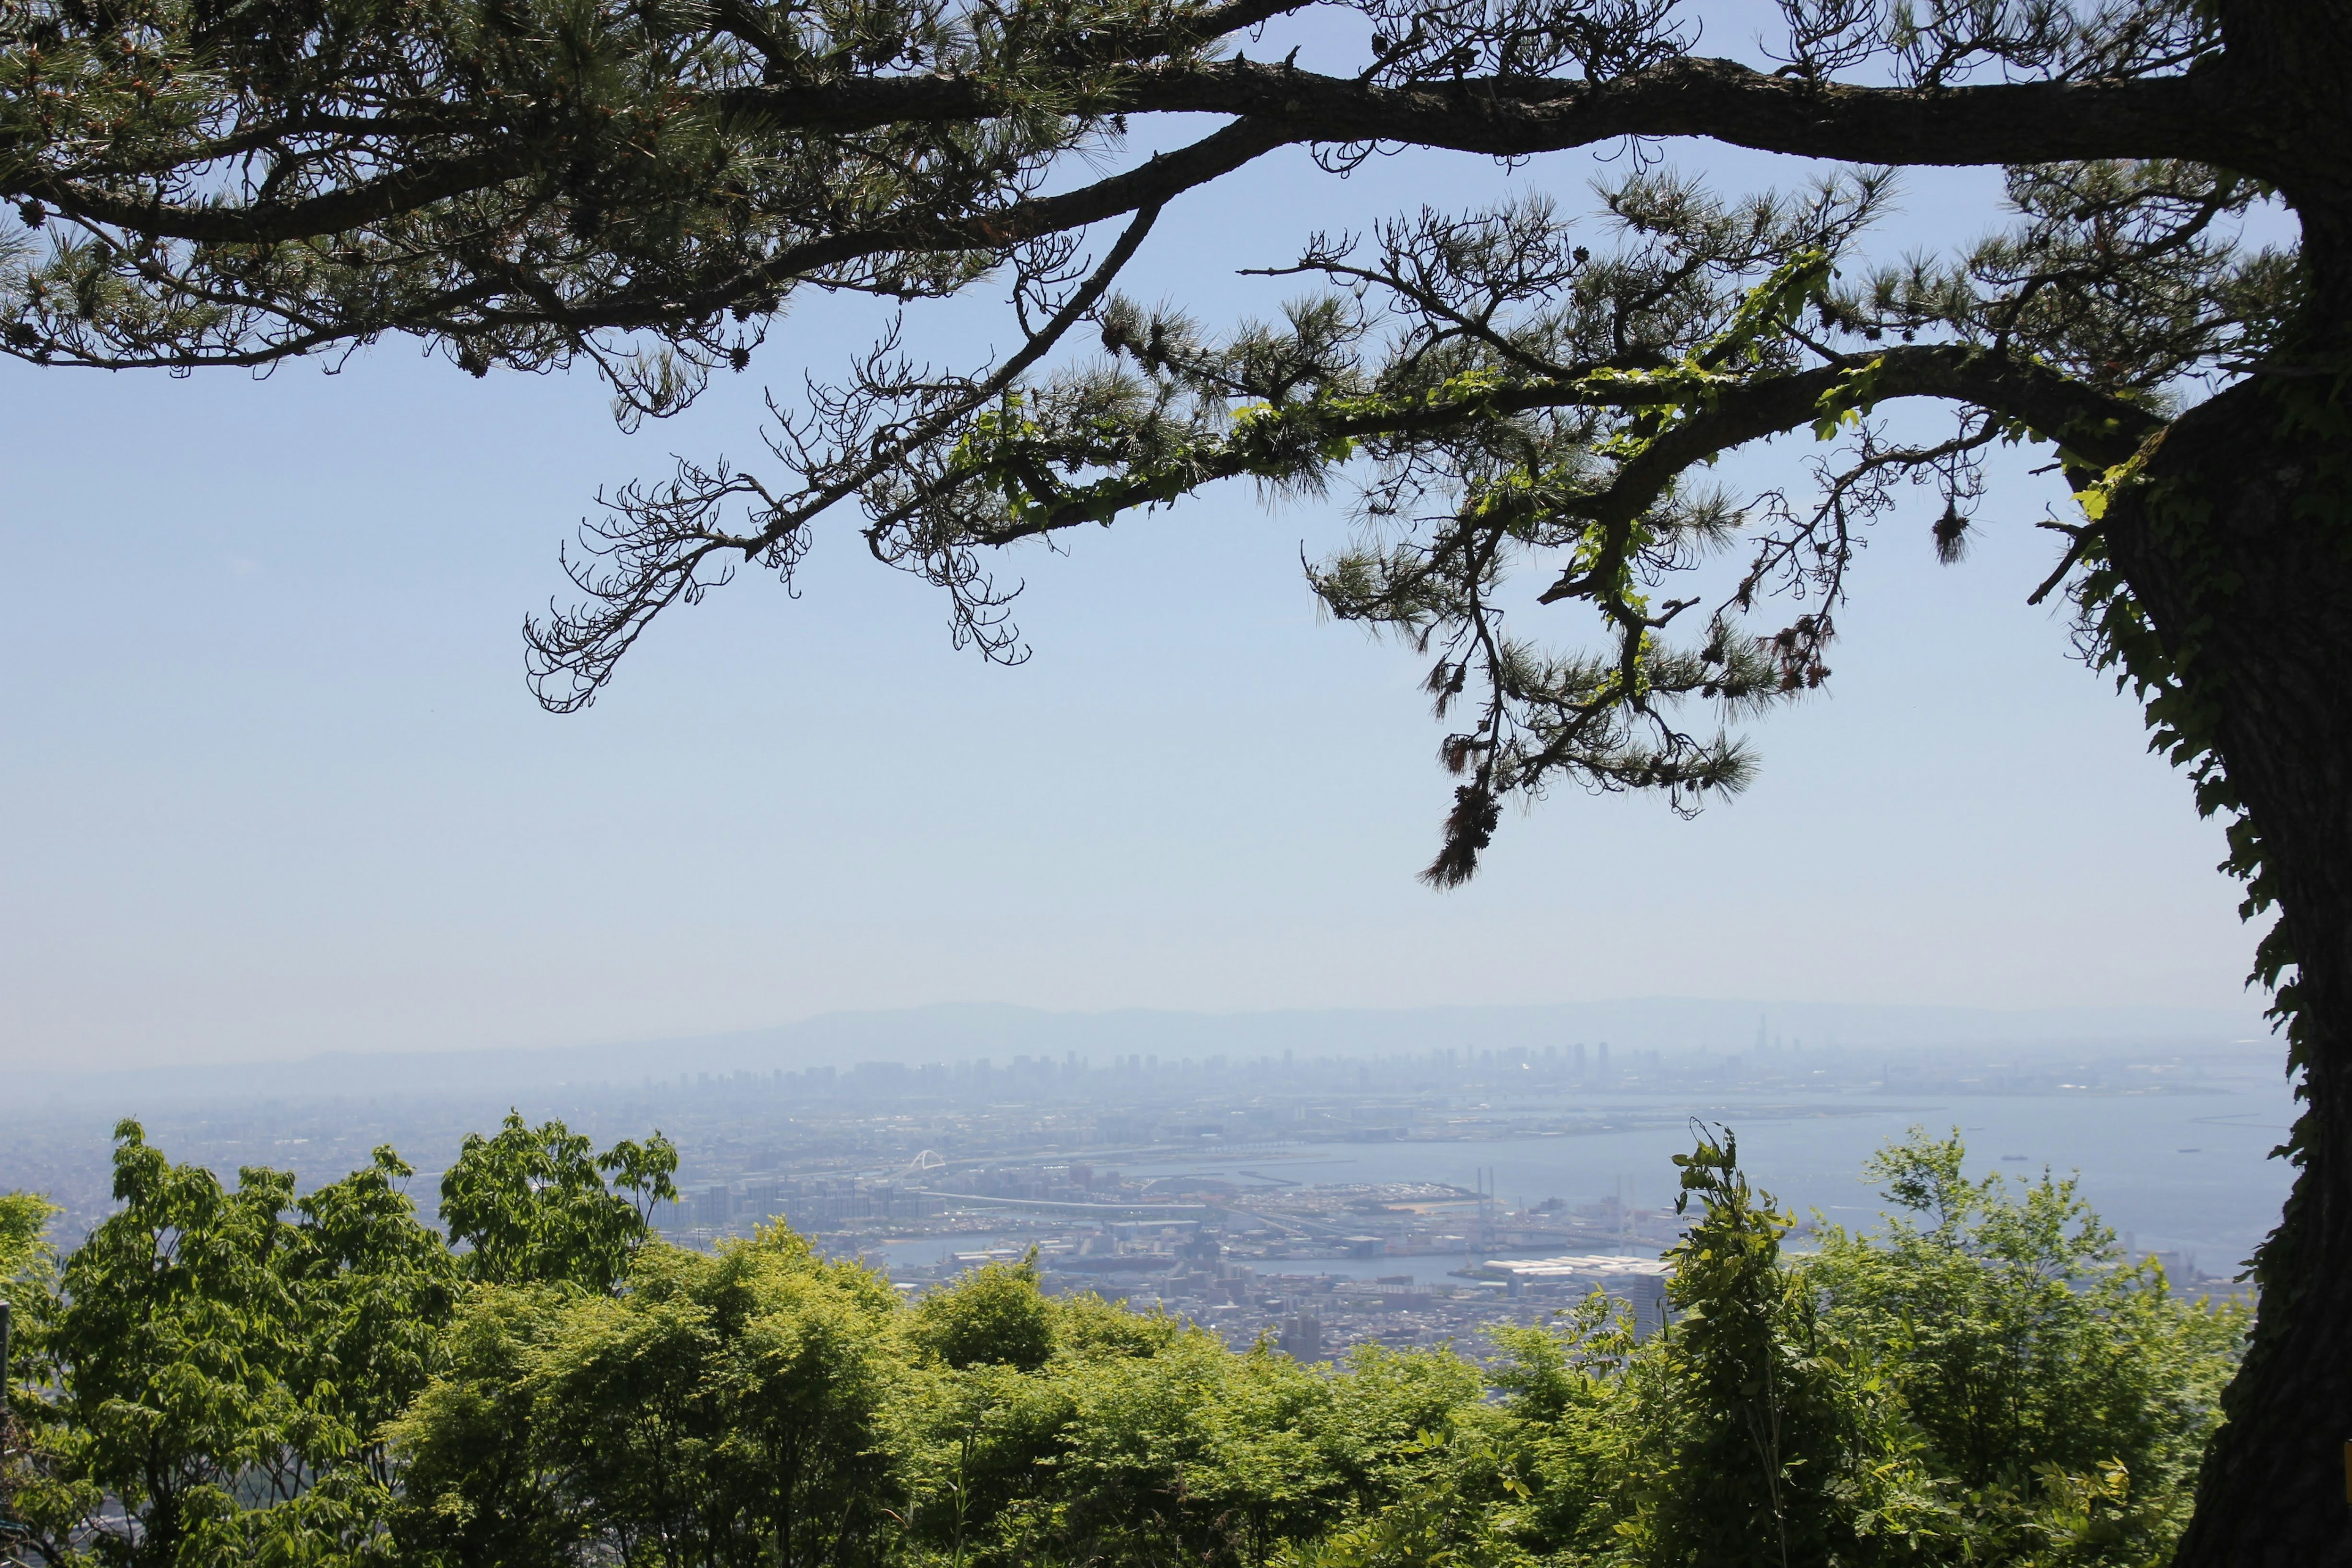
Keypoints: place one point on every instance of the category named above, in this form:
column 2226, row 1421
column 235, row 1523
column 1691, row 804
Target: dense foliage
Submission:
column 225, row 1375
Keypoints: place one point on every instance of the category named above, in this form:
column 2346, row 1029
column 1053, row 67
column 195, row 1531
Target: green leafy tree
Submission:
column 163, row 1354
column 535, row 1204
column 973, row 1453
column 1075, row 1430
column 27, row 1264
column 1078, row 1454
column 724, row 1409
column 24, row 1233
column 1282, row 1451
column 1521, row 401
column 1449, row 1518
column 475, row 1489
column 1586, row 1449
column 217, row 1360
column 229, row 1375
column 374, row 1289
column 1980, row 1382
column 1758, row 1403
column 2061, row 1396
column 995, row 1316
column 992, row 1433
column 212, row 1374
column 976, row 1445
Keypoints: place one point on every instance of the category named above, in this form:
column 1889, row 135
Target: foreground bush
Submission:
column 223, row 1376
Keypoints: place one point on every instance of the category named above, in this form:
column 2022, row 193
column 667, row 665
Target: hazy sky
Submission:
column 271, row 783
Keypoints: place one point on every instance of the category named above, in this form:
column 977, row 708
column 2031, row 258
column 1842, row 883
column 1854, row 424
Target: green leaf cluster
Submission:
column 212, row 1376
column 1982, row 1380
column 233, row 1374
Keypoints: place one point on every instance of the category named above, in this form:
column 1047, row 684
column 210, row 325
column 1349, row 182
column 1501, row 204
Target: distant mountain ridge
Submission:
column 962, row 1032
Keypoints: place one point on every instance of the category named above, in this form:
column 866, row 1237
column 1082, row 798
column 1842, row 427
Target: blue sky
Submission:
column 272, row 785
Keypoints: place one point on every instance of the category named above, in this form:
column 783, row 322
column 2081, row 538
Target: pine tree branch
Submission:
column 2019, row 122
column 2093, row 427
column 1148, row 186
column 2014, row 122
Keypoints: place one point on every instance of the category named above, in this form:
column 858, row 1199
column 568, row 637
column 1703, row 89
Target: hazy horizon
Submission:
column 2165, row 1113
column 967, row 1031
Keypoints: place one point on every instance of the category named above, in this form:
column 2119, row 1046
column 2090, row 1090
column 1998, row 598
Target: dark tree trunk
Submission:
column 2239, row 550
